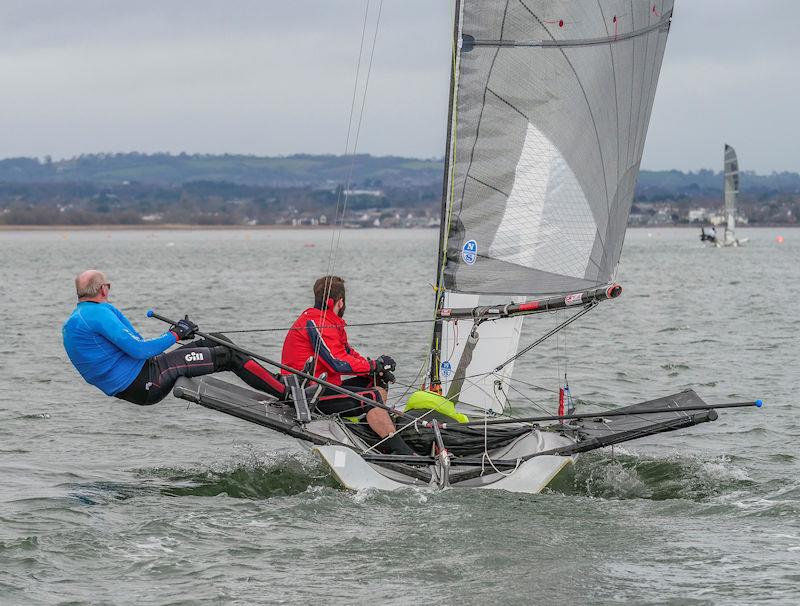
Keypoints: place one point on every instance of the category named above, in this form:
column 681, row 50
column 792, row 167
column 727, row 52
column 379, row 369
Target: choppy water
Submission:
column 105, row 502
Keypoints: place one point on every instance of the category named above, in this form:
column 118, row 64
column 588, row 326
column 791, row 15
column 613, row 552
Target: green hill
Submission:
column 282, row 171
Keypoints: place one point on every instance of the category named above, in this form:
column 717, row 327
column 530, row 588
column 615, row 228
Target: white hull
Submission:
column 732, row 243
column 531, row 477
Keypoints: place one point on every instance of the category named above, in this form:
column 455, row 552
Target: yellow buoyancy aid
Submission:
column 427, row 400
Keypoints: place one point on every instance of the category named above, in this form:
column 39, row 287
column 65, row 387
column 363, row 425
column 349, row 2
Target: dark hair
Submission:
column 328, row 287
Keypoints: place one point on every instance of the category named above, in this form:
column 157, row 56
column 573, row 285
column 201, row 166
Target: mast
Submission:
column 436, row 339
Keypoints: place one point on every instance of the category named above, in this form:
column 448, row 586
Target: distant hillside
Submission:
column 166, row 169
column 674, row 184
column 305, row 170
column 137, row 189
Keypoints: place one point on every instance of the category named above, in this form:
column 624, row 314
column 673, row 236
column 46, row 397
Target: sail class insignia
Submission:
column 470, row 252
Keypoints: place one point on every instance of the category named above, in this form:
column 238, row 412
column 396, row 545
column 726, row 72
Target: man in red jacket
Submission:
column 320, row 333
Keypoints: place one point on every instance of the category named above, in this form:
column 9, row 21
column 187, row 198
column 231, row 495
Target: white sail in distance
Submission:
column 550, row 105
column 731, row 164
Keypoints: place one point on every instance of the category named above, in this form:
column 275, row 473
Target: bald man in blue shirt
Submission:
column 108, row 352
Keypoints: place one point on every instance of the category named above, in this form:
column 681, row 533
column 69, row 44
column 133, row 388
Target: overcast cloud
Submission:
column 272, row 77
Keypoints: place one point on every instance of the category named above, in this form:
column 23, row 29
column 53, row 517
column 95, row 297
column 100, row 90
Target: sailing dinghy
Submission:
column 549, row 106
column 731, row 189
column 731, row 197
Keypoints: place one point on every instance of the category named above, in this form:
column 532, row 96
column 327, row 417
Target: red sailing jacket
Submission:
column 336, row 357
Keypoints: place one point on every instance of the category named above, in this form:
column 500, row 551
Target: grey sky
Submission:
column 275, row 77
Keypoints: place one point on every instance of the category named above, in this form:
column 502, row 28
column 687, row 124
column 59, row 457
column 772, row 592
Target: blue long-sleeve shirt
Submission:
column 105, row 348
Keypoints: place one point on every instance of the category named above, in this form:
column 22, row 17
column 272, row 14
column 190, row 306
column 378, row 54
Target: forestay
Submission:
column 549, row 110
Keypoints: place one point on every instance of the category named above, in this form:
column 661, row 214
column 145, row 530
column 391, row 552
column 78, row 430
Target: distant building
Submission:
column 697, row 215
column 375, row 193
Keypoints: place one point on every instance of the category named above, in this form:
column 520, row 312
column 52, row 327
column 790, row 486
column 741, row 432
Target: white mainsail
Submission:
column 551, row 100
column 731, row 194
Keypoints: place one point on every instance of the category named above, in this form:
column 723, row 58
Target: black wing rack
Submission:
column 636, row 421
column 245, row 404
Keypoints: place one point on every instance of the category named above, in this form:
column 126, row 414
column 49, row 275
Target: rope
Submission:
column 413, row 384
column 358, row 325
column 486, row 456
column 582, row 402
column 334, row 243
column 558, row 351
column 336, row 236
column 406, row 426
column 529, row 399
column 388, row 323
column 338, row 233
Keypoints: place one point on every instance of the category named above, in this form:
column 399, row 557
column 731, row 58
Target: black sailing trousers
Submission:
column 201, row 357
column 159, row 373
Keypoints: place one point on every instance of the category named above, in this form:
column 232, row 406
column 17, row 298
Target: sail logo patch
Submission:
column 470, row 252
column 446, row 369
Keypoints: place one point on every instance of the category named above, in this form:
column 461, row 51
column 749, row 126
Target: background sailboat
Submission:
column 731, row 191
column 731, row 198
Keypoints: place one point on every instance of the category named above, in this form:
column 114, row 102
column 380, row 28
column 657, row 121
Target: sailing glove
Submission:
column 387, row 362
column 184, row 329
column 382, row 370
column 386, row 378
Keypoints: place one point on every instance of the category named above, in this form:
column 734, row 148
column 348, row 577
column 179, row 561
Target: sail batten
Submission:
column 553, row 43
column 552, row 100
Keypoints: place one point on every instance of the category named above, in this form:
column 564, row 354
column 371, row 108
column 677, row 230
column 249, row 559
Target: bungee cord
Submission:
column 485, row 457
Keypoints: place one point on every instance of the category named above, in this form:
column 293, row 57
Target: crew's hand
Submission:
column 184, row 329
column 388, row 377
column 388, row 362
column 382, row 370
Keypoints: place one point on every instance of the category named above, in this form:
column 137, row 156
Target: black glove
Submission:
column 387, row 377
column 184, row 329
column 388, row 362
column 382, row 370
